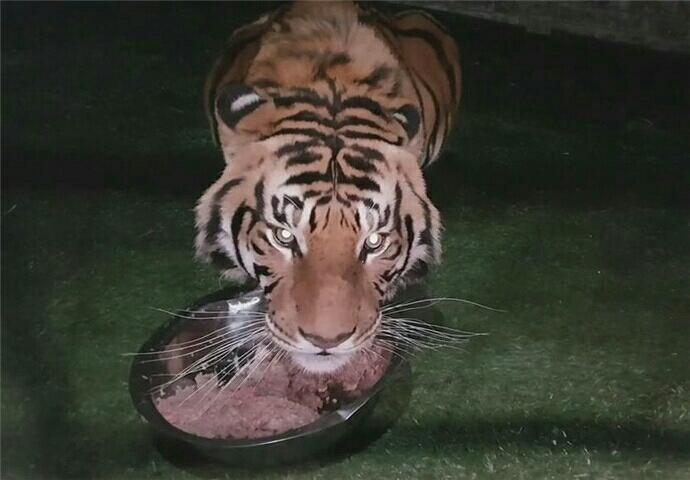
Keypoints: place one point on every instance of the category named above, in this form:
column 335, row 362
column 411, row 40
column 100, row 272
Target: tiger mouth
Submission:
column 321, row 364
column 281, row 338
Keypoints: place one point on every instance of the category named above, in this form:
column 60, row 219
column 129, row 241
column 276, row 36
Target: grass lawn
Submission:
column 564, row 194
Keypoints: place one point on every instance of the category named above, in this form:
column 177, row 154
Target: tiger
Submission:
column 326, row 115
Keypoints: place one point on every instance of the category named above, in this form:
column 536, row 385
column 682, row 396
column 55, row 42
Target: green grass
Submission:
column 564, row 198
column 585, row 375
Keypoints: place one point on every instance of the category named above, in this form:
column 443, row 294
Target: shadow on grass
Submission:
column 33, row 368
column 639, row 437
column 52, row 441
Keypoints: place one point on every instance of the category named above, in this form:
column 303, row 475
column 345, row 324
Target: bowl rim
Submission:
column 140, row 393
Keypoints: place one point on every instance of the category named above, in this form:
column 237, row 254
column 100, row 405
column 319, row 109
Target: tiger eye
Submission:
column 374, row 241
column 283, row 236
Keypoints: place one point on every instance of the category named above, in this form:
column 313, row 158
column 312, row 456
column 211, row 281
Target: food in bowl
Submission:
column 272, row 397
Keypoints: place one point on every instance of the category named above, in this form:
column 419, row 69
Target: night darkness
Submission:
column 564, row 198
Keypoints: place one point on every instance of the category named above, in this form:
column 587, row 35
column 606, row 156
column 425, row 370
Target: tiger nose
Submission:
column 326, row 343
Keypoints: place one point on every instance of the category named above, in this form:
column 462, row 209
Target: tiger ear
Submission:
column 235, row 102
column 408, row 117
column 242, row 115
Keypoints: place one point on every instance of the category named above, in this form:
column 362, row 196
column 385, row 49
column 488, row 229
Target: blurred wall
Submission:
column 660, row 25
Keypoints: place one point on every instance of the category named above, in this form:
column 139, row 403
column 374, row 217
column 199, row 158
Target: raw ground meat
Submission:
column 283, row 398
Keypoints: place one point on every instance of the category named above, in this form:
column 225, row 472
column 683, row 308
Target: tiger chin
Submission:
column 326, row 115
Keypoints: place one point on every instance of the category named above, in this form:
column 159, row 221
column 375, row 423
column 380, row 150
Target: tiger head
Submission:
column 329, row 221
column 326, row 114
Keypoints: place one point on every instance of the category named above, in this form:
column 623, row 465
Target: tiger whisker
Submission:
column 219, row 375
column 371, row 353
column 430, row 330
column 213, row 356
column 232, row 343
column 433, row 301
column 259, row 361
column 420, row 335
column 412, row 348
column 277, row 357
column 245, row 360
column 211, row 315
column 200, row 311
column 391, row 305
column 216, row 355
column 231, row 330
column 417, row 343
column 403, row 321
column 423, row 333
column 214, row 378
column 389, row 341
column 192, row 368
column 202, row 314
column 387, row 347
column 253, row 324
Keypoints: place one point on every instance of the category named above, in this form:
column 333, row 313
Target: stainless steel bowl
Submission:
column 150, row 370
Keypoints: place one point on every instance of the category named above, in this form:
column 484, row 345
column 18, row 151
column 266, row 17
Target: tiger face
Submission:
column 326, row 114
column 329, row 228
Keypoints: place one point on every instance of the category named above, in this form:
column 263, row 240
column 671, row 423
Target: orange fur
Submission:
column 326, row 114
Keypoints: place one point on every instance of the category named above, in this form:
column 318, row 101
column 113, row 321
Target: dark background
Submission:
column 110, row 96
column 564, row 194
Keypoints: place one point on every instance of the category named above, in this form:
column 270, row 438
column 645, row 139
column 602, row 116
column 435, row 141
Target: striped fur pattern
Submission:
column 326, row 114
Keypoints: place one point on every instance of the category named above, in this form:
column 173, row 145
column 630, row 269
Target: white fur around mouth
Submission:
column 320, row 363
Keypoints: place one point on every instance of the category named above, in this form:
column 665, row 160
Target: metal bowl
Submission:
column 149, row 371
